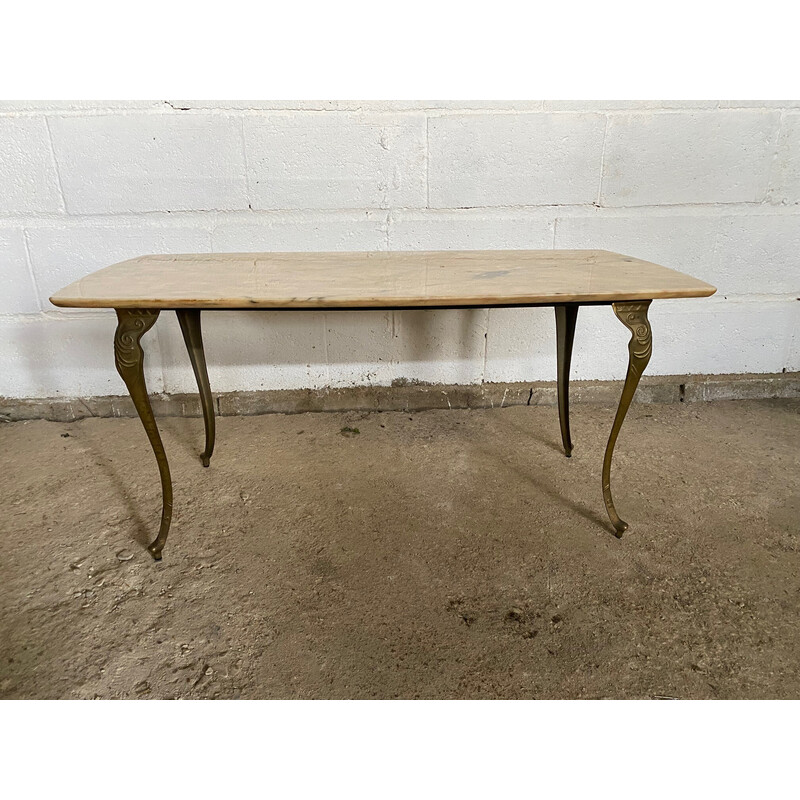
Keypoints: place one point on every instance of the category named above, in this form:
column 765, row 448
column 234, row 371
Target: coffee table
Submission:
column 139, row 289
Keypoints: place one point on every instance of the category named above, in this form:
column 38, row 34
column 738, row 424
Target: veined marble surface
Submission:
column 377, row 280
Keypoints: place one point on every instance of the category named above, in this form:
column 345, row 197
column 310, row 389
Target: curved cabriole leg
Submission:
column 566, row 315
column 634, row 316
column 133, row 324
column 189, row 319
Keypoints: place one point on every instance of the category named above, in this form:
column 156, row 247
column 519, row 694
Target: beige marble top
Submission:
column 377, row 280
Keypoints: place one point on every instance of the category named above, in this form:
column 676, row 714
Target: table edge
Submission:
column 398, row 302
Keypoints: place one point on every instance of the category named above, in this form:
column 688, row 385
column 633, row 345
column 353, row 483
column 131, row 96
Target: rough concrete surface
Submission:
column 440, row 554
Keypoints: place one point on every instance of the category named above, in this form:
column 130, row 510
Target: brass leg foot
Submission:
column 634, row 316
column 132, row 324
column 566, row 315
column 189, row 319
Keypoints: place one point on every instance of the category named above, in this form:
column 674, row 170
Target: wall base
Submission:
column 413, row 397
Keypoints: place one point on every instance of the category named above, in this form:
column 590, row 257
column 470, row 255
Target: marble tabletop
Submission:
column 377, row 279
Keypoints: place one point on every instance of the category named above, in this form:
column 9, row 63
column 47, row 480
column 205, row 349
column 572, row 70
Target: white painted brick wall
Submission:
column 28, row 181
column 249, row 350
column 61, row 355
column 150, row 162
column 471, row 229
column 785, row 184
column 300, row 230
column 758, row 254
column 333, row 160
column 477, row 160
column 793, row 355
column 708, row 187
column 699, row 157
column 17, row 292
column 63, row 251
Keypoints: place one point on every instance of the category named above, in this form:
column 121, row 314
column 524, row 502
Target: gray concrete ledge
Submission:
column 412, row 397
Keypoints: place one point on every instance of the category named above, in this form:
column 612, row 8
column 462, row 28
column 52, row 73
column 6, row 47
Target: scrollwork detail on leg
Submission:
column 132, row 324
column 633, row 315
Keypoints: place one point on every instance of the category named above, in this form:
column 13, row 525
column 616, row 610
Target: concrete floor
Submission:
column 440, row 554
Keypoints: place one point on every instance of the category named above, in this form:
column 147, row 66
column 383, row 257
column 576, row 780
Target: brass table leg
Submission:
column 634, row 316
column 189, row 319
column 132, row 325
column 566, row 314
